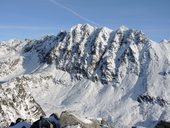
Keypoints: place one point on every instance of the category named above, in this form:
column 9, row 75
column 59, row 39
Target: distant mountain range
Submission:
column 119, row 75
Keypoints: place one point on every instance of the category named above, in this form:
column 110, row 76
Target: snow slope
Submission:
column 121, row 76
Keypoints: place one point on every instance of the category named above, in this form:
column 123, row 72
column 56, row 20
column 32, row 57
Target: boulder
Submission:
column 163, row 124
column 69, row 119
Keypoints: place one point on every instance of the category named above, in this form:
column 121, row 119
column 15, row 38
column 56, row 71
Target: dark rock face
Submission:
column 152, row 100
column 163, row 124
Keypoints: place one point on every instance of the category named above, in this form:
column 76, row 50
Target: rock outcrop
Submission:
column 66, row 120
column 16, row 102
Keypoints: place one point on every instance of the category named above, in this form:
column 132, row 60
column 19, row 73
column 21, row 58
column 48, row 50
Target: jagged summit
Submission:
column 123, row 28
column 87, row 50
column 165, row 41
column 84, row 26
column 120, row 75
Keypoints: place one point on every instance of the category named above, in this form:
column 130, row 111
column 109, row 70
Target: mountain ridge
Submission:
column 92, row 71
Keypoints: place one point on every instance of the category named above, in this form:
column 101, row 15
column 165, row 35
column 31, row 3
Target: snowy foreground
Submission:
column 120, row 76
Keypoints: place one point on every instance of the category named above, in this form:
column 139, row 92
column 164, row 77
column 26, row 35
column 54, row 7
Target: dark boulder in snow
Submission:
column 163, row 124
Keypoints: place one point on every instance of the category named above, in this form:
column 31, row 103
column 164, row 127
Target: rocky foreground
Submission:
column 66, row 120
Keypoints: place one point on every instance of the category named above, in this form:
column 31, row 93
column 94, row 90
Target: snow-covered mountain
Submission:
column 119, row 75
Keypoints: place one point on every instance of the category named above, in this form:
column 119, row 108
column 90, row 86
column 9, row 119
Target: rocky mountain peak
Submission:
column 94, row 71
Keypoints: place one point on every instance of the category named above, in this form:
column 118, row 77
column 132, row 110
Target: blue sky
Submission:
column 35, row 18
